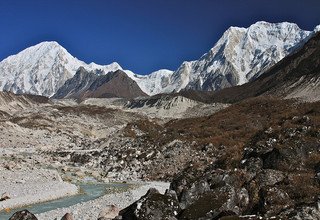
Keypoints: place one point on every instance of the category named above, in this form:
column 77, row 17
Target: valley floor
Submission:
column 258, row 157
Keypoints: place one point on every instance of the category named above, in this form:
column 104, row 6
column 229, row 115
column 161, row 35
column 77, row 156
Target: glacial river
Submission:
column 88, row 192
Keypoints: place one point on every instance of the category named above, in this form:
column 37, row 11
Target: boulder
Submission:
column 23, row 215
column 301, row 213
column 216, row 203
column 67, row 216
column 193, row 193
column 4, row 196
column 269, row 177
column 153, row 206
column 274, row 200
column 110, row 212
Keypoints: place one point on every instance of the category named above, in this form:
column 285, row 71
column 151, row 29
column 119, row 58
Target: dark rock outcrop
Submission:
column 67, row 216
column 153, row 206
column 79, row 83
column 23, row 215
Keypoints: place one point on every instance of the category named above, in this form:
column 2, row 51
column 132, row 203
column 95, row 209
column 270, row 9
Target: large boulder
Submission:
column 214, row 194
column 4, row 196
column 153, row 206
column 67, row 216
column 110, row 212
column 23, row 215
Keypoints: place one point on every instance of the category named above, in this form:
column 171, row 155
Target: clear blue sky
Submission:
column 141, row 35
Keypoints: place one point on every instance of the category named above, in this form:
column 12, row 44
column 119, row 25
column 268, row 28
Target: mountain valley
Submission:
column 233, row 135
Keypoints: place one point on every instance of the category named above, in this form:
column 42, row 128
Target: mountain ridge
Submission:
column 240, row 55
column 95, row 84
column 42, row 69
column 295, row 76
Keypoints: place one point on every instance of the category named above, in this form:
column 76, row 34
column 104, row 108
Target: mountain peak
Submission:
column 49, row 44
column 45, row 47
column 42, row 69
column 239, row 55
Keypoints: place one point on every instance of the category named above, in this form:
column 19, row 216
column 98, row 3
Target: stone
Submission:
column 67, row 216
column 110, row 212
column 153, row 205
column 23, row 215
column 193, row 193
column 218, row 202
column 269, row 177
column 4, row 196
column 275, row 200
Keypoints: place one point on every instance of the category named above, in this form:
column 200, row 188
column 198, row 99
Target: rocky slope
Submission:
column 172, row 106
column 95, row 85
column 78, row 84
column 257, row 158
column 11, row 102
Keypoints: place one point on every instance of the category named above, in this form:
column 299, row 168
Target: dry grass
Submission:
column 236, row 126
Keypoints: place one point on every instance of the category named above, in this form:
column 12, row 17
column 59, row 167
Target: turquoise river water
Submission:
column 88, row 191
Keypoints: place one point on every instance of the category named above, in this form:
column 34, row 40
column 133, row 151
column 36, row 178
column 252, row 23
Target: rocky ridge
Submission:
column 95, row 85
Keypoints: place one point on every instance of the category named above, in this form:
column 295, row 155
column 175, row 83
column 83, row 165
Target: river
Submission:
column 89, row 191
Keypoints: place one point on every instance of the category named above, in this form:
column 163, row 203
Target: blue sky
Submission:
column 141, row 35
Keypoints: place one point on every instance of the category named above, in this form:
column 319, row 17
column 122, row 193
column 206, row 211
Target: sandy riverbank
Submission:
column 25, row 187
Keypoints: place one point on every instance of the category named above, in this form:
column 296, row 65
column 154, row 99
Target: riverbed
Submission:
column 88, row 191
column 90, row 210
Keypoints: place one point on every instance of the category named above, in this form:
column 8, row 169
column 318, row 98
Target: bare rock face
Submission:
column 110, row 212
column 23, row 215
column 153, row 206
column 67, row 216
column 94, row 85
column 215, row 194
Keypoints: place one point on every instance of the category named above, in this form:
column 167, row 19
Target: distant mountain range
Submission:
column 241, row 55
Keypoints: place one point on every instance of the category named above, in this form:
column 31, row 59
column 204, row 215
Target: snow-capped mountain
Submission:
column 240, row 55
column 42, row 69
column 154, row 83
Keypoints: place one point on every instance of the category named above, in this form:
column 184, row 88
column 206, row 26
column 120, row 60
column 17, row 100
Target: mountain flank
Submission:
column 92, row 84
